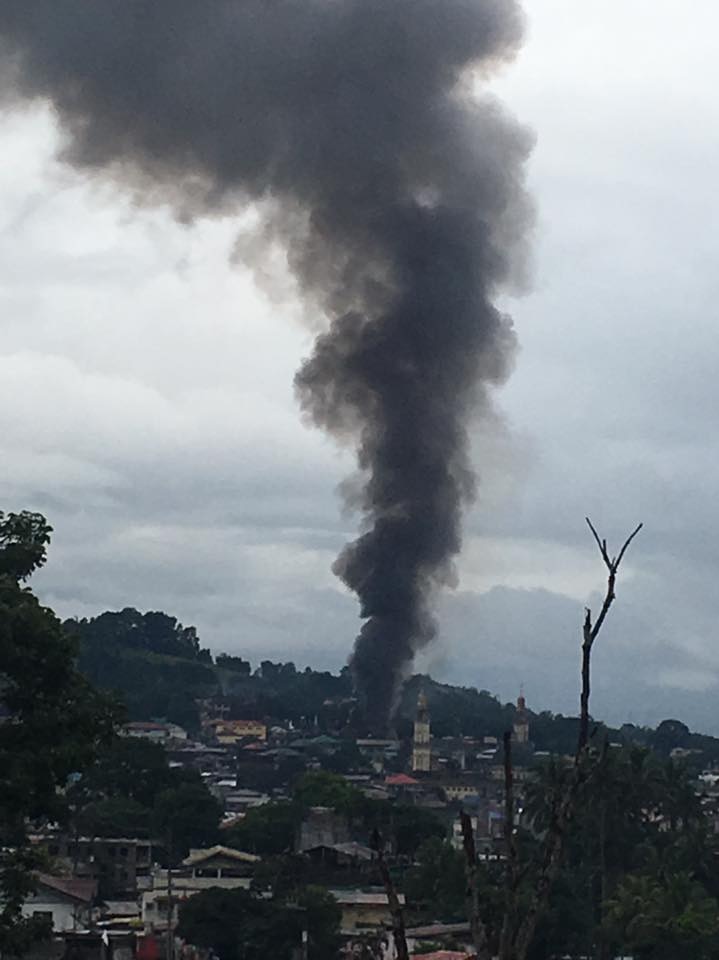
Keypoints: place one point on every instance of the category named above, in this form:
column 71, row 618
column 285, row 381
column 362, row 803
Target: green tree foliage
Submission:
column 404, row 825
column 638, row 816
column 280, row 690
column 130, row 767
column 321, row 915
column 239, row 925
column 345, row 759
column 114, row 817
column 54, row 720
column 151, row 632
column 236, row 664
column 324, row 789
column 268, row 830
column 186, row 816
column 436, row 885
column 410, row 826
column 131, row 790
column 669, row 735
column 153, row 662
column 664, row 917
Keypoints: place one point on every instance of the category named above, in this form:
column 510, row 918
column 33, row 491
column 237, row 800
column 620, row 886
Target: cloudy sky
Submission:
column 146, row 401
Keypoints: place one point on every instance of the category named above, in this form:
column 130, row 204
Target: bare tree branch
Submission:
column 629, row 539
column 563, row 812
column 602, row 544
column 393, row 902
column 476, row 925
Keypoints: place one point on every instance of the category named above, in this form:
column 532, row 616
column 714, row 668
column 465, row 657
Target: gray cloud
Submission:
column 123, row 334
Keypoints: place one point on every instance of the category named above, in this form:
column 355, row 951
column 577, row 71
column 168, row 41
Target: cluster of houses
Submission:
column 246, row 764
column 111, row 892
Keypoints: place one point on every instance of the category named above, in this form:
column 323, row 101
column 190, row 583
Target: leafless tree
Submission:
column 519, row 927
column 563, row 811
column 477, row 927
column 395, row 907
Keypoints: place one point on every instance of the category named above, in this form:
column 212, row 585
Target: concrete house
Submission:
column 215, row 867
column 65, row 901
column 363, row 911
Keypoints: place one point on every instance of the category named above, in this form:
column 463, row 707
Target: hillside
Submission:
column 158, row 667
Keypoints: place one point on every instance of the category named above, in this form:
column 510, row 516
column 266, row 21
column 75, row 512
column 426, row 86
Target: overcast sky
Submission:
column 146, row 401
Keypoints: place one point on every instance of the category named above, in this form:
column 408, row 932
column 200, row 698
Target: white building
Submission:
column 65, row 901
column 157, row 732
column 216, row 867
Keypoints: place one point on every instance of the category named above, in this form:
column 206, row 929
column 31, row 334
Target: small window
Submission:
column 42, row 915
column 124, row 851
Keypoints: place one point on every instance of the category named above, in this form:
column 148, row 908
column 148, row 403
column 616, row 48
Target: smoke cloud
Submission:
column 396, row 192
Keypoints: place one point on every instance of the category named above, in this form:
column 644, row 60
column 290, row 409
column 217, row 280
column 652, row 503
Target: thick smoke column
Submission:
column 397, row 195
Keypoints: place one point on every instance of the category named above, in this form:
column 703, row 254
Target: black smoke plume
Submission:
column 395, row 191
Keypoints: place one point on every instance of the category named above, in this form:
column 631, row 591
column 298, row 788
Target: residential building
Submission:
column 321, row 827
column 120, row 866
column 215, row 867
column 65, row 901
column 460, row 789
column 152, row 730
column 363, row 911
column 230, row 732
column 378, row 752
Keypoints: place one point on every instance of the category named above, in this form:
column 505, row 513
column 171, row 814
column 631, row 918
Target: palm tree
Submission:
column 662, row 918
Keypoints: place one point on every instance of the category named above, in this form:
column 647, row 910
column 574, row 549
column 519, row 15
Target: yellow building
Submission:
column 362, row 911
column 229, row 732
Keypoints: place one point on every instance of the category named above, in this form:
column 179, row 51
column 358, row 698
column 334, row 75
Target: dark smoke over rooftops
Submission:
column 396, row 193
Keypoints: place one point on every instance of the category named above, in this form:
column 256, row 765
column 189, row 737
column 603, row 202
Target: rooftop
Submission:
column 443, row 955
column 81, row 890
column 360, row 898
column 400, row 780
column 200, row 856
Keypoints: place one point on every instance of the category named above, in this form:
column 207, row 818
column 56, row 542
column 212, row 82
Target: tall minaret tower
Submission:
column 421, row 748
column 521, row 720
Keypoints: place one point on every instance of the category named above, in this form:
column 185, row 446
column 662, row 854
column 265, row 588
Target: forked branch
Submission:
column 393, row 902
column 476, row 924
column 591, row 630
column 563, row 811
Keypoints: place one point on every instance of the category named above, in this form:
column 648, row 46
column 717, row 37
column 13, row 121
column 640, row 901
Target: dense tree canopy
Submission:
column 131, row 790
column 186, row 816
column 436, row 884
column 639, row 869
column 268, row 830
column 238, row 925
column 54, row 721
column 151, row 660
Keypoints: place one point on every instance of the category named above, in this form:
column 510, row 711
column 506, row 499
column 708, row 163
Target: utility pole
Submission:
column 170, row 940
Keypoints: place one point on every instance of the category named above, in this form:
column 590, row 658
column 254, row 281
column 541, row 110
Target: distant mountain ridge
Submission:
column 158, row 667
